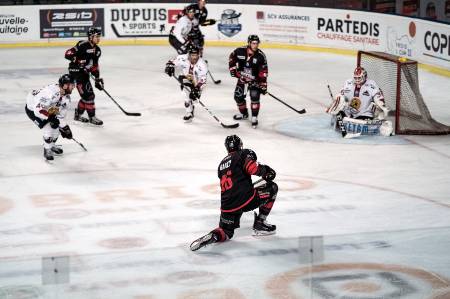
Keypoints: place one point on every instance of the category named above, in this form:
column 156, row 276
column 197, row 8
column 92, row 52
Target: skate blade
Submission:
column 259, row 233
column 200, row 242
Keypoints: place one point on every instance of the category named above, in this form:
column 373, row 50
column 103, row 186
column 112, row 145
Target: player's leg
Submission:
column 255, row 95
column 50, row 134
column 267, row 195
column 188, row 104
column 239, row 97
column 87, row 101
column 177, row 45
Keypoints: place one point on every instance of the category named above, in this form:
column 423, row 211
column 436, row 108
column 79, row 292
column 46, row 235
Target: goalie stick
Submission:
column 231, row 126
column 340, row 121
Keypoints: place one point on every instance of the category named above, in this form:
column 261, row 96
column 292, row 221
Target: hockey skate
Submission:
column 262, row 228
column 57, row 150
column 77, row 116
column 201, row 242
column 240, row 116
column 95, row 121
column 48, row 154
column 254, row 122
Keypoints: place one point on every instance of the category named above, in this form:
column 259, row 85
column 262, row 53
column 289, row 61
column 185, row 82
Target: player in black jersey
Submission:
column 249, row 65
column 83, row 62
column 238, row 194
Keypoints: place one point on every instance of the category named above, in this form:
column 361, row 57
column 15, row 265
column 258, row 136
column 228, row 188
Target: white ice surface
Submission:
column 126, row 210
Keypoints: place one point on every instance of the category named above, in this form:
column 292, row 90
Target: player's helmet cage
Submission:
column 252, row 38
column 233, row 143
column 94, row 31
column 360, row 75
column 66, row 78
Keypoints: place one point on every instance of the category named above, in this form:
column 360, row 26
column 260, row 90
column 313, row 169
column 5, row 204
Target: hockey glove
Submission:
column 170, row 69
column 263, row 88
column 66, row 132
column 269, row 174
column 99, row 83
column 53, row 121
column 208, row 22
column 194, row 94
column 52, row 111
column 234, row 73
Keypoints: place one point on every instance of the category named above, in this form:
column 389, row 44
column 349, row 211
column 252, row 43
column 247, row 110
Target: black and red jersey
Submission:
column 251, row 65
column 84, row 55
column 234, row 172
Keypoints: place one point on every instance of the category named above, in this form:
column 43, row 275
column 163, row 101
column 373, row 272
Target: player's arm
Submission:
column 263, row 73
column 233, row 65
column 252, row 167
column 71, row 54
column 378, row 99
column 340, row 101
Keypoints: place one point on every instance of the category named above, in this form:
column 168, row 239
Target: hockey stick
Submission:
column 212, row 78
column 298, row 111
column 232, row 126
column 126, row 113
column 80, row 144
column 120, row 107
column 209, row 72
column 340, row 121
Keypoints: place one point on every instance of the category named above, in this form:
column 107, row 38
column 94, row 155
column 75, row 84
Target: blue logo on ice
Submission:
column 229, row 23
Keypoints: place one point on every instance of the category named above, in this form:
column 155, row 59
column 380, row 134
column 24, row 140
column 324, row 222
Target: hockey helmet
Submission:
column 193, row 50
column 94, row 31
column 252, row 38
column 190, row 9
column 233, row 143
column 66, row 78
column 360, row 75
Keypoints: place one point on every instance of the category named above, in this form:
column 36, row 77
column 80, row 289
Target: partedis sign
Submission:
column 348, row 30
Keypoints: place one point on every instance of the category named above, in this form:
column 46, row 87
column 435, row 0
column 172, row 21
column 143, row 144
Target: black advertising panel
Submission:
column 71, row 22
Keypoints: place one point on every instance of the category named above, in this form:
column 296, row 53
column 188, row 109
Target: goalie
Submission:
column 361, row 102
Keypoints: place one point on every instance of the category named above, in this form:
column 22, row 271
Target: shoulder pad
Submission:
column 248, row 153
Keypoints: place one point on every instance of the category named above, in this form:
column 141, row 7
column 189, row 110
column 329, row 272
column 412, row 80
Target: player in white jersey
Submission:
column 179, row 35
column 192, row 72
column 360, row 97
column 47, row 108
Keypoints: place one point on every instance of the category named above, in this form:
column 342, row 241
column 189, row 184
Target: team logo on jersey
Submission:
column 229, row 23
column 355, row 103
column 366, row 93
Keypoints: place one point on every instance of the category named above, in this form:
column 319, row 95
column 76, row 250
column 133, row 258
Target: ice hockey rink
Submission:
column 362, row 218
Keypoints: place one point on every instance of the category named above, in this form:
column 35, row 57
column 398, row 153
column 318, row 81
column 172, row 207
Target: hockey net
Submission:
column 399, row 81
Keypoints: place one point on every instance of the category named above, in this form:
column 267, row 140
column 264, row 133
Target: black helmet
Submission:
column 233, row 143
column 94, row 31
column 66, row 78
column 252, row 38
column 190, row 8
column 193, row 49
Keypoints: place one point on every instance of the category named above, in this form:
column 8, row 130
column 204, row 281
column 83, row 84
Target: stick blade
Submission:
column 303, row 111
column 232, row 126
column 133, row 113
column 218, row 82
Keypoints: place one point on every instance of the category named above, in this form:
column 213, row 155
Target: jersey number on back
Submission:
column 225, row 182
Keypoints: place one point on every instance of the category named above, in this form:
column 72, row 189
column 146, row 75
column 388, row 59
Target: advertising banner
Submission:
column 18, row 24
column 70, row 22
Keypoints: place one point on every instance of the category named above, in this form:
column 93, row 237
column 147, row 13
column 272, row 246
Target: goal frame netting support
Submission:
column 411, row 115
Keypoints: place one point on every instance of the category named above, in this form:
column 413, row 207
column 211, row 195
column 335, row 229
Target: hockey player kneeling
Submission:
column 47, row 107
column 360, row 107
column 238, row 194
column 192, row 76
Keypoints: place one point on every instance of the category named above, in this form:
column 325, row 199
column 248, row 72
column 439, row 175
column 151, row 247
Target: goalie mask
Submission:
column 360, row 76
column 233, row 143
